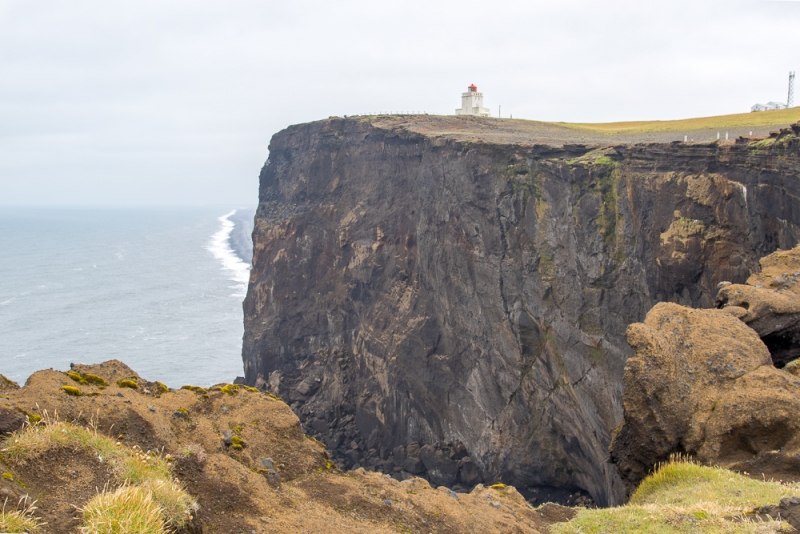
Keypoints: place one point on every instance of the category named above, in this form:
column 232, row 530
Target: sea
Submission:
column 159, row 289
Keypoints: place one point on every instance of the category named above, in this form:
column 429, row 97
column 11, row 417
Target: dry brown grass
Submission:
column 136, row 470
column 127, row 509
column 13, row 521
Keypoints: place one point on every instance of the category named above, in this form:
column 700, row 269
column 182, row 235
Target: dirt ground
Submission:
column 280, row 481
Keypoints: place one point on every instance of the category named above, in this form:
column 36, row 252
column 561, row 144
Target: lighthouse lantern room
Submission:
column 472, row 103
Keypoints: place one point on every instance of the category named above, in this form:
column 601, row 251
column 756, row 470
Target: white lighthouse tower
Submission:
column 472, row 103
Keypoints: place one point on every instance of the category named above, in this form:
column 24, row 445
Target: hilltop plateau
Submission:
column 527, row 132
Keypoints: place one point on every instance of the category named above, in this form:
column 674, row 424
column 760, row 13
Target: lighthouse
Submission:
column 472, row 103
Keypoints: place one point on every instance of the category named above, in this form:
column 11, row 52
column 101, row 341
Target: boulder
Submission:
column 468, row 472
column 10, row 420
column 413, row 450
column 702, row 383
column 769, row 303
column 442, row 470
column 414, row 465
column 399, row 454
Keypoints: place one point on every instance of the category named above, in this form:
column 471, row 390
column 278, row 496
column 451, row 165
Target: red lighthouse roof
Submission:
column 473, row 88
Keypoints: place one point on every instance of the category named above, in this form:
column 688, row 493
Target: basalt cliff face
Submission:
column 449, row 296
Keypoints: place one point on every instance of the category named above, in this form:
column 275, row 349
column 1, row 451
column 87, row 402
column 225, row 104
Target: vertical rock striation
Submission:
column 432, row 299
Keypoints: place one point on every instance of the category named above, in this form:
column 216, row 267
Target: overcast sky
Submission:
column 173, row 102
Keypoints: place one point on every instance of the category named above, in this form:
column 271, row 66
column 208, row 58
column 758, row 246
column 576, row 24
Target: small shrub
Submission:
column 237, row 443
column 128, row 509
column 33, row 418
column 128, row 383
column 184, row 411
column 163, row 387
column 229, row 389
column 8, row 476
column 498, row 486
column 196, row 389
column 18, row 521
column 77, row 377
column 176, row 505
column 96, row 380
column 72, row 390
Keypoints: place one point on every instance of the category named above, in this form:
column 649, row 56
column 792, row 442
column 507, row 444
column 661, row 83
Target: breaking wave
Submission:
column 220, row 247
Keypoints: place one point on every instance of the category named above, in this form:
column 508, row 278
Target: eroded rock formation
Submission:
column 770, row 304
column 702, row 382
column 455, row 283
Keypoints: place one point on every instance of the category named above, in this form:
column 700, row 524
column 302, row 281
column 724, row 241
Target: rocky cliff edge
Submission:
column 240, row 453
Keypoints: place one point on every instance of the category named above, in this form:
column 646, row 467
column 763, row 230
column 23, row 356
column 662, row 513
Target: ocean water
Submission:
column 160, row 289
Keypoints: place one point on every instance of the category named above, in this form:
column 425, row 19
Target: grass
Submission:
column 87, row 378
column 128, row 383
column 149, row 472
column 763, row 119
column 18, row 520
column 127, row 509
column 684, row 497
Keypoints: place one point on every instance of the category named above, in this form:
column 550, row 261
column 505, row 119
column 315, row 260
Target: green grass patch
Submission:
column 71, row 390
column 87, row 378
column 684, row 497
column 196, row 389
column 765, row 119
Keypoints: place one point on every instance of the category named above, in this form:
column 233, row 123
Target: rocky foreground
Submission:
column 239, row 452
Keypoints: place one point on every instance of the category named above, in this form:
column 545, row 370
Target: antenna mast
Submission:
column 790, row 100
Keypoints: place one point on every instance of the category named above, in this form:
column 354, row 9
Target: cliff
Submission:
column 449, row 296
